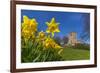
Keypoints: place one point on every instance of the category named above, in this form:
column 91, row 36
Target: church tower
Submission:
column 72, row 38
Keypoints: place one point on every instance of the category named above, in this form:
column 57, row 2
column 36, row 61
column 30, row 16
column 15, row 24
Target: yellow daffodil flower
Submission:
column 57, row 46
column 52, row 27
column 41, row 35
column 29, row 26
column 50, row 43
column 26, row 34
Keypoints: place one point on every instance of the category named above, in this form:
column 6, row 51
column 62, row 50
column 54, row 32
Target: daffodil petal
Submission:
column 47, row 23
column 57, row 30
column 25, row 19
column 47, row 31
column 53, row 20
column 33, row 21
column 57, row 23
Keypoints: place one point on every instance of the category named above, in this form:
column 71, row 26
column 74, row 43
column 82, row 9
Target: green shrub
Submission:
column 82, row 46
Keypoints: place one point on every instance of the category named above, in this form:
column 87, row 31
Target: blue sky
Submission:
column 69, row 21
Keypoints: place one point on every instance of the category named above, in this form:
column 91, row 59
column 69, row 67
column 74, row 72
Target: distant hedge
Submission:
column 81, row 46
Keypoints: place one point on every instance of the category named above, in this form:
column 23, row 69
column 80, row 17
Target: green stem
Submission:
column 37, row 58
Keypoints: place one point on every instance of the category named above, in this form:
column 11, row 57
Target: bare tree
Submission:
column 65, row 39
column 86, row 28
column 57, row 40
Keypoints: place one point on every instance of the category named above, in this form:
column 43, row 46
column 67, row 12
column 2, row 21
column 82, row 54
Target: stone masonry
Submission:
column 72, row 39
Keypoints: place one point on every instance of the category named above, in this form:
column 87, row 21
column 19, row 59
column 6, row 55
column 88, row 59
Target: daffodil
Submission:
column 50, row 43
column 26, row 34
column 41, row 35
column 29, row 27
column 52, row 27
column 57, row 46
column 30, row 24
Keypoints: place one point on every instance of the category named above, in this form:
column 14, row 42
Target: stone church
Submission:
column 72, row 39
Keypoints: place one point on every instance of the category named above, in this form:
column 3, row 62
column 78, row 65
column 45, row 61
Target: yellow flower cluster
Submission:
column 50, row 43
column 29, row 27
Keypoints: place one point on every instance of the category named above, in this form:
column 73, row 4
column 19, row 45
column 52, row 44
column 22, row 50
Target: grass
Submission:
column 75, row 54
